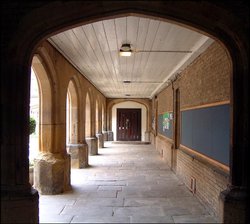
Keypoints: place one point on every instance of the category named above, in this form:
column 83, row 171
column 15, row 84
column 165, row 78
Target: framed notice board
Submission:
column 165, row 124
column 207, row 131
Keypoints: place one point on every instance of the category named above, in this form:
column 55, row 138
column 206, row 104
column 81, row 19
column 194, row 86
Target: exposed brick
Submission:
column 205, row 81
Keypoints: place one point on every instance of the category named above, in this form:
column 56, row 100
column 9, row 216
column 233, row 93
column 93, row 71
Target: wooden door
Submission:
column 128, row 124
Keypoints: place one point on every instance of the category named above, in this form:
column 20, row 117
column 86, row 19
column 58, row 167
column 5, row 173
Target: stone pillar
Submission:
column 234, row 200
column 92, row 145
column 20, row 208
column 147, row 136
column 79, row 155
column 19, row 201
column 110, row 136
column 100, row 140
column 233, row 207
column 105, row 136
column 52, row 173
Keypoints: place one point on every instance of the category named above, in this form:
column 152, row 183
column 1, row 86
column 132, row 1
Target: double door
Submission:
column 128, row 124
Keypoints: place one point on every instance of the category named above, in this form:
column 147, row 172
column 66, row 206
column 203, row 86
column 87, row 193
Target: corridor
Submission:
column 125, row 183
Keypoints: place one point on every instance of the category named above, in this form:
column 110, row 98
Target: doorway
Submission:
column 128, row 124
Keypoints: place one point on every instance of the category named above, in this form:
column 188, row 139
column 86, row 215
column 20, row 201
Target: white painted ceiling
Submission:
column 94, row 50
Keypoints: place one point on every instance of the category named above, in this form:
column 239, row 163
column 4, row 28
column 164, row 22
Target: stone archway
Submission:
column 228, row 24
column 72, row 114
column 90, row 116
column 46, row 102
column 75, row 146
column 98, row 121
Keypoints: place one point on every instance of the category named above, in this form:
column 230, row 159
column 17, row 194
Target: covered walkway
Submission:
column 125, row 183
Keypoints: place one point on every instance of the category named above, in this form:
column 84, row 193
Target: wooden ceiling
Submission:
column 94, row 50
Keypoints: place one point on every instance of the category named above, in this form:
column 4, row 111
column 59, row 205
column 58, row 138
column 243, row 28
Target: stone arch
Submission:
column 72, row 113
column 90, row 128
column 231, row 31
column 144, row 102
column 45, row 79
column 97, row 115
column 104, row 121
column 35, row 96
column 131, row 104
column 88, row 112
column 76, row 146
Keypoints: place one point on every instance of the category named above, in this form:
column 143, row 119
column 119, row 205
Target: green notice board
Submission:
column 165, row 124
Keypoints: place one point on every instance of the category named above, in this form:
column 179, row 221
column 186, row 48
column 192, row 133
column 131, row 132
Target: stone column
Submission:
column 147, row 136
column 234, row 200
column 19, row 201
column 110, row 136
column 105, row 136
column 92, row 145
column 79, row 155
column 100, row 140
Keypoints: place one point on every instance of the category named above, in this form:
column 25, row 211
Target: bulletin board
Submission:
column 165, row 124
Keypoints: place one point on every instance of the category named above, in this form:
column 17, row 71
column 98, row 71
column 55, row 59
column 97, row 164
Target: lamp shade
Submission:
column 125, row 53
column 125, row 50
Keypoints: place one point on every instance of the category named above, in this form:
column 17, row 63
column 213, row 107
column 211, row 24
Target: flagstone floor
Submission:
column 125, row 183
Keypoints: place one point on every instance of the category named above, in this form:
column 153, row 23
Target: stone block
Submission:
column 51, row 173
column 92, row 145
column 147, row 136
column 20, row 207
column 100, row 140
column 110, row 136
column 79, row 155
column 105, row 136
column 233, row 205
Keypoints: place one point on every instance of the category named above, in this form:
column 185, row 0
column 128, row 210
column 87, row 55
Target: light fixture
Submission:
column 126, row 82
column 125, row 50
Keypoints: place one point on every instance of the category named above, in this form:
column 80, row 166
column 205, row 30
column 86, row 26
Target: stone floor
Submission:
column 124, row 184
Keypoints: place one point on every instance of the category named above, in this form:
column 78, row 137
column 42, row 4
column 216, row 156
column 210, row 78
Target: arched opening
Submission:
column 34, row 122
column 72, row 115
column 97, row 115
column 87, row 117
column 130, row 105
column 45, row 105
column 229, row 31
column 104, row 126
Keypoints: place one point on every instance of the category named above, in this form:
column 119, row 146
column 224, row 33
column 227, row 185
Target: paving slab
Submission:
column 87, row 210
column 194, row 219
column 52, row 218
column 152, row 219
column 111, row 219
column 124, row 184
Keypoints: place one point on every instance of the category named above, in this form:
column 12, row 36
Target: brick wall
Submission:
column 165, row 100
column 163, row 146
column 209, row 180
column 205, row 81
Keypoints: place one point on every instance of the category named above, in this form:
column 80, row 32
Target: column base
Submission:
column 78, row 155
column 100, row 140
column 52, row 173
column 233, row 205
column 110, row 136
column 147, row 136
column 105, row 136
column 19, row 207
column 92, row 145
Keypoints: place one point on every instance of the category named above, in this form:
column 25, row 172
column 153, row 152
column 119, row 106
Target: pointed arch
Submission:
column 72, row 113
column 87, row 116
column 44, row 78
